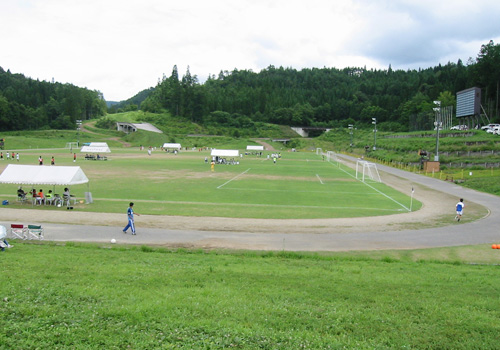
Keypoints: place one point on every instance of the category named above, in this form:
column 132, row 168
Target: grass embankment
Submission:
column 84, row 297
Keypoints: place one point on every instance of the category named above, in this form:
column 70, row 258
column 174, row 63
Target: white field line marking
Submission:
column 243, row 204
column 294, row 191
column 382, row 193
column 319, row 179
column 234, row 178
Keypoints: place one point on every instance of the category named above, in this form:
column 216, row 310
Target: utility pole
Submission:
column 437, row 123
column 374, row 122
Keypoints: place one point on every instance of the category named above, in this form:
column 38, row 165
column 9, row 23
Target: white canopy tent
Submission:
column 96, row 147
column 176, row 146
column 255, row 148
column 44, row 175
column 225, row 153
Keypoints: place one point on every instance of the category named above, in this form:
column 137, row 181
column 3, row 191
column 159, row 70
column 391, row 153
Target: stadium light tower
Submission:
column 437, row 123
column 374, row 122
column 78, row 125
column 351, row 127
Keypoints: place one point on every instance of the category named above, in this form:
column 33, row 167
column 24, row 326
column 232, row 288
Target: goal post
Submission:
column 319, row 151
column 367, row 171
column 332, row 156
column 72, row 145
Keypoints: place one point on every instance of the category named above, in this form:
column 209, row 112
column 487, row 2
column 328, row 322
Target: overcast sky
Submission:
column 121, row 47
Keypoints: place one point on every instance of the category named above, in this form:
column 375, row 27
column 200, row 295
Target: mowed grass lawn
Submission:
column 84, row 296
column 299, row 185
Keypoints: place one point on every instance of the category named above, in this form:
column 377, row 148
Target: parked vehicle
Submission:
column 459, row 127
column 489, row 126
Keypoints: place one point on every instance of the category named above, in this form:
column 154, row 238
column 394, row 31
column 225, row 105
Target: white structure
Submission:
column 367, row 170
column 332, row 156
column 133, row 127
column 96, row 147
column 45, row 175
column 319, row 151
column 176, row 146
column 225, row 153
column 255, row 148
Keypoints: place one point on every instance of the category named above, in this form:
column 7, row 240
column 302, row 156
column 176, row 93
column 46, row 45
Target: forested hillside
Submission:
column 323, row 97
column 27, row 104
column 326, row 96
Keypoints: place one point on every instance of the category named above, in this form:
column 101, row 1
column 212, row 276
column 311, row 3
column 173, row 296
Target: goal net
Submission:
column 367, row 171
column 319, row 151
column 71, row 145
column 332, row 156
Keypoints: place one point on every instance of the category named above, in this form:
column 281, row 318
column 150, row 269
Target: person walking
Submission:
column 130, row 215
column 460, row 209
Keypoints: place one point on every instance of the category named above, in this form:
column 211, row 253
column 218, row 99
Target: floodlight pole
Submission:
column 78, row 124
column 351, row 127
column 437, row 123
column 374, row 122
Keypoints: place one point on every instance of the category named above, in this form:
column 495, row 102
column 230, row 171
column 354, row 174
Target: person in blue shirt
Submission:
column 460, row 209
column 130, row 215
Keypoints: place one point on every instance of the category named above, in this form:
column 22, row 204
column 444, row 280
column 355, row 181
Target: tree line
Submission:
column 326, row 97
column 28, row 104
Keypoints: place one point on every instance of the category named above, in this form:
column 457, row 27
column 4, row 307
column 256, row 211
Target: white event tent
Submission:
column 225, row 153
column 176, row 146
column 255, row 148
column 44, row 175
column 96, row 147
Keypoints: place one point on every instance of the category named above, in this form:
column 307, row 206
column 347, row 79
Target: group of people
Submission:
column 10, row 156
column 41, row 197
column 94, row 157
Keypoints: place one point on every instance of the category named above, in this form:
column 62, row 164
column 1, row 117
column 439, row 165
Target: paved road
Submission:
column 486, row 230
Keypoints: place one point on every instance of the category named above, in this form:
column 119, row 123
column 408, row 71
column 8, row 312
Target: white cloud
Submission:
column 122, row 47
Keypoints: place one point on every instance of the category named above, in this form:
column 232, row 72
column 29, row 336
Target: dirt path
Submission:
column 92, row 123
column 267, row 146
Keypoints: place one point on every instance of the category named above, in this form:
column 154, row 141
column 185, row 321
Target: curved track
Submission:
column 486, row 230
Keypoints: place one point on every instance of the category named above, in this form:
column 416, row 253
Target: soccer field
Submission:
column 300, row 185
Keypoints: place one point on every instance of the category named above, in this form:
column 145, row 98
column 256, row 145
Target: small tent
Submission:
column 176, row 146
column 255, row 148
column 225, row 153
column 96, row 147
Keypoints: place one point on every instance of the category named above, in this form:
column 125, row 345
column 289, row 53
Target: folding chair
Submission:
column 35, row 232
column 18, row 231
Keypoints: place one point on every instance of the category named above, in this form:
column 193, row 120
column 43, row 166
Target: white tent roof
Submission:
column 98, row 144
column 225, row 153
column 90, row 149
column 255, row 148
column 172, row 145
column 43, row 175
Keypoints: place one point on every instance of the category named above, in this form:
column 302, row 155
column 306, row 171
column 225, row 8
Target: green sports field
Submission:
column 298, row 185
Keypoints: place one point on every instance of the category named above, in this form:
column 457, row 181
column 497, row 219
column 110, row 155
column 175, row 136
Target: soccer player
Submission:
column 130, row 215
column 460, row 209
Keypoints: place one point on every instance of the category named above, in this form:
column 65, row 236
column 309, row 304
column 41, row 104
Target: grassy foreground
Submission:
column 81, row 296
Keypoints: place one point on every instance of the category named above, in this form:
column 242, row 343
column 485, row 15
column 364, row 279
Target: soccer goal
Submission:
column 332, row 157
column 319, row 151
column 71, row 145
column 367, row 171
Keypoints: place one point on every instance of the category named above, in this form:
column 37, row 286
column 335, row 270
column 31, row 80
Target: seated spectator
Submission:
column 40, row 198
column 20, row 193
column 49, row 197
column 3, row 241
